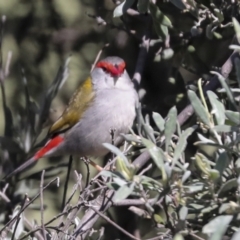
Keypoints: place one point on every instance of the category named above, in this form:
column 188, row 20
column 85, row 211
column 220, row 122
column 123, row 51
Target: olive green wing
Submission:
column 76, row 107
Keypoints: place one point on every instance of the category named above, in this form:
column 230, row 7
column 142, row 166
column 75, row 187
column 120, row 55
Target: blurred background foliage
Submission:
column 187, row 41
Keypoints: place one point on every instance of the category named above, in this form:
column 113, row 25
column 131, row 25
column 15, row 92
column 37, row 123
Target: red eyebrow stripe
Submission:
column 114, row 70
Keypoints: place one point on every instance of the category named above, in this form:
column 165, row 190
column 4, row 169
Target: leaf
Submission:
column 18, row 224
column 149, row 182
column 178, row 236
column 122, row 8
column 139, row 212
column 237, row 67
column 213, row 174
column 198, row 107
column 179, row 4
column 117, row 152
column 167, row 53
column 31, row 107
column 117, row 177
column 58, row 82
column 183, row 213
column 142, row 6
column 236, row 28
column 204, row 139
column 8, row 144
column 160, row 21
column 157, row 156
column 133, row 139
column 159, row 121
column 182, row 142
column 186, row 175
column 158, row 16
column 149, row 132
column 219, row 14
column 233, row 116
column 225, row 128
column 236, row 235
column 217, row 107
column 194, row 189
column 217, row 226
column 123, row 192
column 227, row 186
column 222, row 162
column 226, row 87
column 8, row 130
column 170, row 126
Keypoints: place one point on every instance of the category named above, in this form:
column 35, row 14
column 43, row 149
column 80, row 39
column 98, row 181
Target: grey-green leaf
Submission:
column 149, row 132
column 117, row 152
column 217, row 107
column 142, row 6
column 217, row 226
column 178, row 3
column 198, row 107
column 157, row 155
column 158, row 16
column 159, row 121
column 122, row 8
column 62, row 76
column 225, row 128
column 236, row 235
column 123, row 192
column 226, row 87
column 170, row 126
column 222, row 162
column 233, row 116
column 230, row 184
column 182, row 142
column 236, row 26
column 18, row 224
column 183, row 213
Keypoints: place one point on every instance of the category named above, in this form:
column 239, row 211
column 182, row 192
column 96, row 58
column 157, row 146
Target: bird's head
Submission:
column 111, row 73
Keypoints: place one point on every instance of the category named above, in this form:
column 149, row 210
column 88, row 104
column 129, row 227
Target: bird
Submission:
column 105, row 101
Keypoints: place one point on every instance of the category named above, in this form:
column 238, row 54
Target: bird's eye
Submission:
column 104, row 69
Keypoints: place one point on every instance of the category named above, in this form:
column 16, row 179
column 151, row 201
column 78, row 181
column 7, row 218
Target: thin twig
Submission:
column 98, row 56
column 42, row 207
column 113, row 223
column 15, row 228
column 101, row 21
column 66, row 181
column 4, row 197
column 90, row 217
column 85, row 160
column 29, row 225
column 27, row 205
column 134, row 202
column 142, row 55
column 7, row 65
column 145, row 169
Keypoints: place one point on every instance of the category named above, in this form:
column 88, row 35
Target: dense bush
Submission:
column 177, row 174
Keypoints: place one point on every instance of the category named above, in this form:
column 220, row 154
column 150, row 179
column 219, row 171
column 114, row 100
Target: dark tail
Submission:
column 21, row 168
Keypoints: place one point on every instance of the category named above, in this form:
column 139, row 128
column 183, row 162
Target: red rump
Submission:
column 49, row 146
column 114, row 70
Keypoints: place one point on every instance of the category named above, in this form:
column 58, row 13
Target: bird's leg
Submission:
column 112, row 133
column 87, row 160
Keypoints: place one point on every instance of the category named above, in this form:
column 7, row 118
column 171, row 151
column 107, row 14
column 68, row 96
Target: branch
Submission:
column 101, row 203
column 188, row 111
column 142, row 55
column 113, row 223
column 213, row 84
